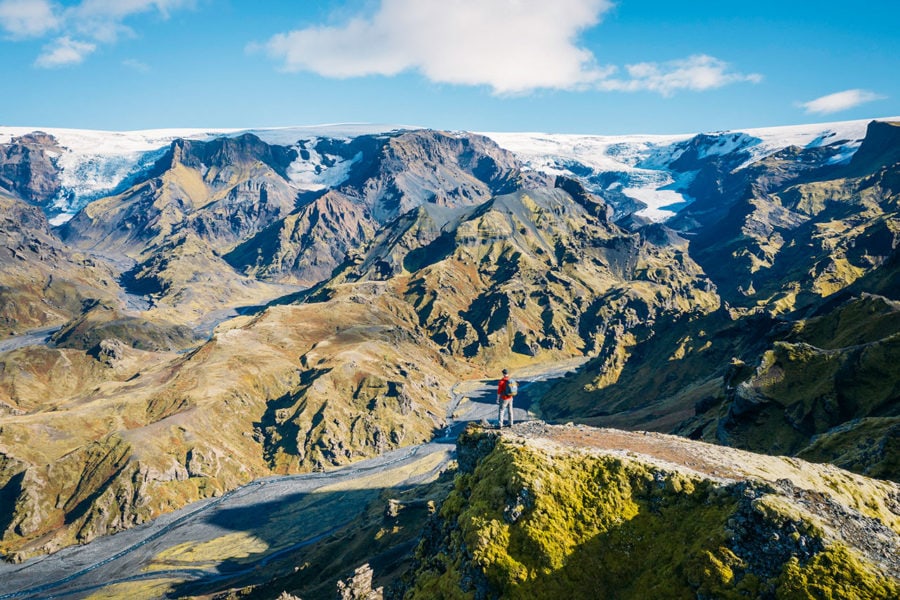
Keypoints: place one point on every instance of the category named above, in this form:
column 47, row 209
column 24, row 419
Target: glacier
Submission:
column 639, row 170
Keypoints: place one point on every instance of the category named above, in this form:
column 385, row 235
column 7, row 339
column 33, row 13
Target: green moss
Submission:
column 531, row 524
column 539, row 526
column 868, row 446
column 832, row 574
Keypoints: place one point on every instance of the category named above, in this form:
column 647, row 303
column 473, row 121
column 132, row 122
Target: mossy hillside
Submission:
column 800, row 391
column 664, row 376
column 861, row 320
column 533, row 523
column 869, row 446
column 749, row 380
column 294, row 388
column 816, row 232
column 550, row 279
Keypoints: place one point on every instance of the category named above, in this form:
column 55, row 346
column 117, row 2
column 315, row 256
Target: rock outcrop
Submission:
column 576, row 512
column 28, row 169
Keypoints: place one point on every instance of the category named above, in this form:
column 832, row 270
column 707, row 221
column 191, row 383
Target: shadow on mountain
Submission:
column 311, row 541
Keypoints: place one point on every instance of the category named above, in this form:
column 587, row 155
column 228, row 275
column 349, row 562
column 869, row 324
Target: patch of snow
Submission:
column 313, row 171
column 598, row 152
column 61, row 219
column 641, row 164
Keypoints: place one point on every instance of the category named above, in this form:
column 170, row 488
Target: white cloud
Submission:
column 27, row 18
column 513, row 46
column 839, row 101
column 103, row 20
column 64, row 51
column 92, row 21
column 695, row 73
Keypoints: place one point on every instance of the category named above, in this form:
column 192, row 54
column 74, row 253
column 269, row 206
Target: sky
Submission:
column 566, row 66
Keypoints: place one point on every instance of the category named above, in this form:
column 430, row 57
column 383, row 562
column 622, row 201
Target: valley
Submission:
column 201, row 327
column 251, row 534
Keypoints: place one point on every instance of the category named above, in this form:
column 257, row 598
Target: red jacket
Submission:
column 501, row 388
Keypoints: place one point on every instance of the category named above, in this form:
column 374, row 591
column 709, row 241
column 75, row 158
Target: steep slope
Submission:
column 42, row 282
column 537, row 273
column 550, row 512
column 797, row 234
column 28, row 169
column 658, row 178
column 224, row 190
column 296, row 388
column 381, row 178
column 364, row 365
column 436, row 257
column 799, row 252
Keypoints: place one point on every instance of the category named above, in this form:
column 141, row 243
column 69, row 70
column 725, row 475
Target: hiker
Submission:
column 506, row 389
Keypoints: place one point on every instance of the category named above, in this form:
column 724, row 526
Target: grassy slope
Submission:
column 532, row 520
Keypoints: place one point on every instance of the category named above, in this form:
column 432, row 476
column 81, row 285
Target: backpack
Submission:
column 512, row 387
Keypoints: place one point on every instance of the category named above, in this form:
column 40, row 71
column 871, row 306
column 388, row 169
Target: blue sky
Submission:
column 570, row 66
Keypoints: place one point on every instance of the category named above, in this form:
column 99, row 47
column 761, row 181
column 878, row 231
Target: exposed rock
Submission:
column 41, row 281
column 28, row 169
column 359, row 586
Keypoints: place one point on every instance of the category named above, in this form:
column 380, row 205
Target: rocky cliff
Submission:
column 576, row 512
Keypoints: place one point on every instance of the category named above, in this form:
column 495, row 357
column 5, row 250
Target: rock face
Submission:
column 550, row 512
column 41, row 281
column 536, row 272
column 387, row 177
column 28, row 169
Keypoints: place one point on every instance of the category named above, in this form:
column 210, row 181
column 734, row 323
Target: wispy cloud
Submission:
column 840, row 101
column 27, row 18
column 695, row 73
column 511, row 46
column 136, row 65
column 63, row 52
column 79, row 27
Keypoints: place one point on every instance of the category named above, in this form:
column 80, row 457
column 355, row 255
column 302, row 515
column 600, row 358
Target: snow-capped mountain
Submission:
column 656, row 170
column 93, row 164
column 645, row 175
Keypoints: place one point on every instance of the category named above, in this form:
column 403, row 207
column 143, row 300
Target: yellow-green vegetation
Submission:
column 869, row 446
column 135, row 590
column 833, row 574
column 532, row 521
column 192, row 555
column 293, row 389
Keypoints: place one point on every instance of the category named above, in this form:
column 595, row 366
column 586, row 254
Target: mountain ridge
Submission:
column 279, row 308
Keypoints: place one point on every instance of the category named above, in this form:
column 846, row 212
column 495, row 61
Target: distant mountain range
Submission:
column 225, row 305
